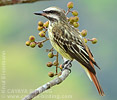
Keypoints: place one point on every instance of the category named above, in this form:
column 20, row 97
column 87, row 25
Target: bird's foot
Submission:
column 67, row 65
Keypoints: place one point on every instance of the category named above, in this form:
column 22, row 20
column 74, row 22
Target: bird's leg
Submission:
column 67, row 65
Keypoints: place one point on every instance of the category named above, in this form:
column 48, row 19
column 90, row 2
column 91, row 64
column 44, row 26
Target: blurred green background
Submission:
column 25, row 68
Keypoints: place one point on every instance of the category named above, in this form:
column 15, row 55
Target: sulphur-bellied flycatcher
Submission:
column 69, row 43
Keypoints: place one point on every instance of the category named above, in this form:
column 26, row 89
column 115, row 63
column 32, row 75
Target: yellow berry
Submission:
column 46, row 24
column 50, row 55
column 40, row 28
column 32, row 44
column 40, row 23
column 76, row 18
column 50, row 74
column 49, row 64
column 42, row 34
column 40, row 45
column 74, row 13
column 32, row 38
column 55, row 63
column 71, row 20
column 84, row 33
column 76, row 24
column 27, row 43
column 94, row 40
column 70, row 5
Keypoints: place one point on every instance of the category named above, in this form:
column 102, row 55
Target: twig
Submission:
column 89, row 40
column 45, row 40
column 67, row 11
column 50, row 50
column 48, row 85
column 11, row 2
column 57, row 62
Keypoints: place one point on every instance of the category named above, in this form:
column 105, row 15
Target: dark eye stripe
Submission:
column 46, row 12
column 52, row 12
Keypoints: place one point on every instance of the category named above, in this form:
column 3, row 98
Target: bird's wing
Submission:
column 72, row 43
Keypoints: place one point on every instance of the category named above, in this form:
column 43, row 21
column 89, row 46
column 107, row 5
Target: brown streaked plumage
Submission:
column 69, row 43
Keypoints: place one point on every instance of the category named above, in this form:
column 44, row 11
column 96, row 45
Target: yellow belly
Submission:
column 60, row 51
column 56, row 47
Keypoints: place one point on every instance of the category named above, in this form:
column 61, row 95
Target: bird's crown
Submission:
column 53, row 10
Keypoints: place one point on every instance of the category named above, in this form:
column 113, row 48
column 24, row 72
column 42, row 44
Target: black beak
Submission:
column 39, row 13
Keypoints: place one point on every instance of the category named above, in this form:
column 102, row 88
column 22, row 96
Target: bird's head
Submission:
column 53, row 14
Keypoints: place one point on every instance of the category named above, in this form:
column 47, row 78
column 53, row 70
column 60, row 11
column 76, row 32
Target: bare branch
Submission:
column 48, row 85
column 11, row 2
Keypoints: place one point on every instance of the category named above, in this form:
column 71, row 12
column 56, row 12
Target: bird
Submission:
column 69, row 43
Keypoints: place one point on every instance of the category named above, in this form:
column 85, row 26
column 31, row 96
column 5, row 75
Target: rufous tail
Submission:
column 96, row 82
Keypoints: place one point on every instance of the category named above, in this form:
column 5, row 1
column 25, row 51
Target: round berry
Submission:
column 49, row 64
column 74, row 13
column 50, row 55
column 27, row 43
column 84, row 33
column 42, row 34
column 55, row 63
column 71, row 19
column 51, row 74
column 76, row 24
column 32, row 44
column 70, row 5
column 40, row 28
column 76, row 18
column 40, row 44
column 94, row 40
column 40, row 23
column 46, row 24
column 32, row 38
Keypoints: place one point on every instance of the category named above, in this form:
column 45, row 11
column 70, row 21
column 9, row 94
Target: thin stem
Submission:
column 89, row 40
column 45, row 40
column 42, row 41
column 68, row 11
column 45, row 28
column 50, row 50
column 57, row 63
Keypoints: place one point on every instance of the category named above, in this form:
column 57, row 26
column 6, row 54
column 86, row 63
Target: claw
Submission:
column 67, row 65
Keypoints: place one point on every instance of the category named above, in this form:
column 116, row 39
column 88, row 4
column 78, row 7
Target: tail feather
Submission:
column 96, row 82
column 93, row 78
column 92, row 75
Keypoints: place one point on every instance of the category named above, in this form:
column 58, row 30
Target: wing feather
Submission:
column 74, row 45
column 71, row 42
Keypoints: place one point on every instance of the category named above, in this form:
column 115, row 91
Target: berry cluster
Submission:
column 54, row 63
column 74, row 22
column 42, row 28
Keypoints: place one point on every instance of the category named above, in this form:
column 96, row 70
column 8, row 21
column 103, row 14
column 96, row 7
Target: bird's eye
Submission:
column 51, row 11
column 48, row 12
